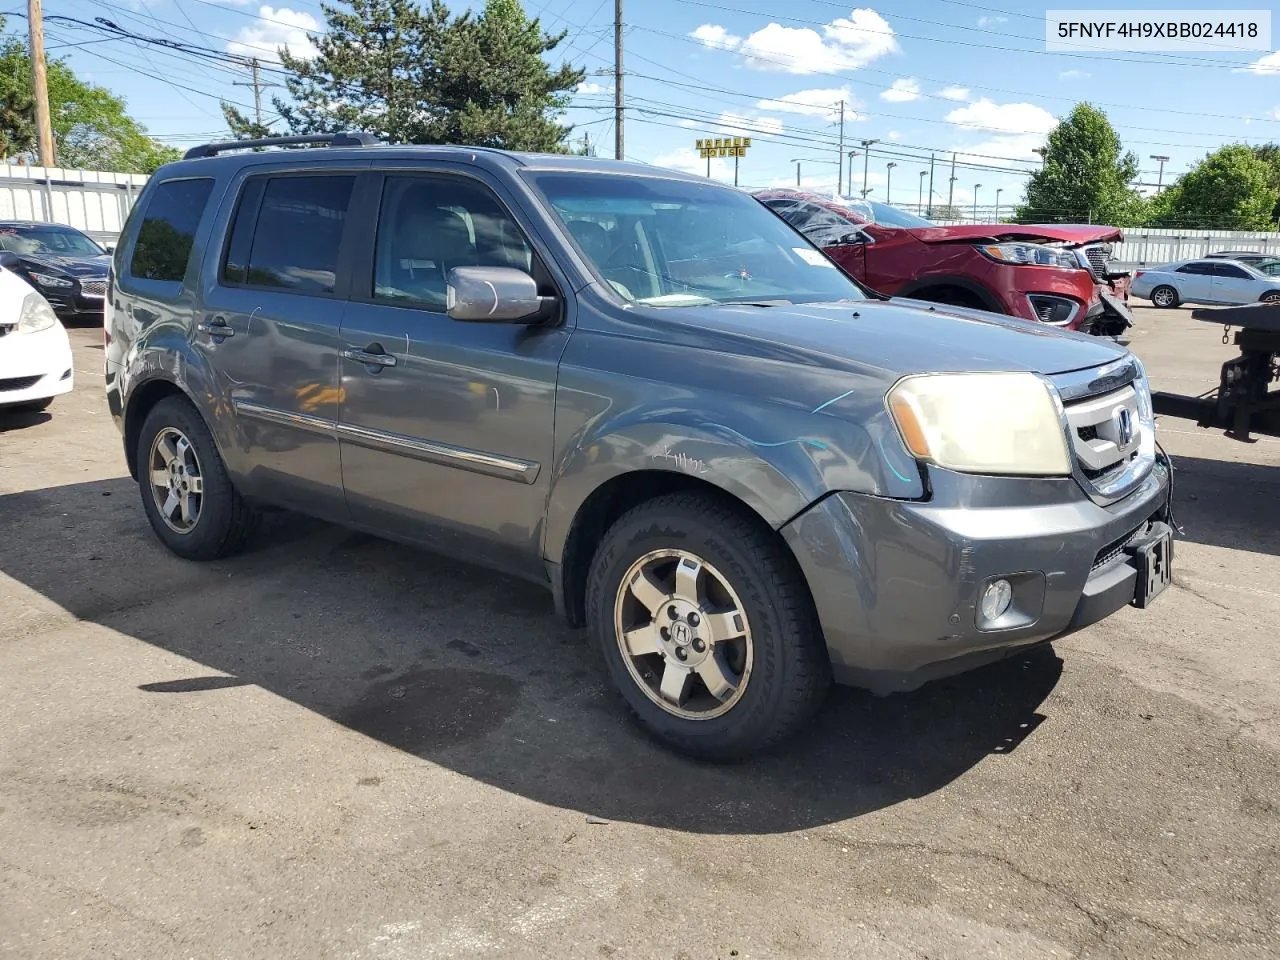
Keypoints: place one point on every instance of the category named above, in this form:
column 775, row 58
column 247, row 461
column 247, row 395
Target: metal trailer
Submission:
column 1243, row 403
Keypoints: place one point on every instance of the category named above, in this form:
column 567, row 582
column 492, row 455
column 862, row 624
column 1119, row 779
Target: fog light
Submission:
column 995, row 600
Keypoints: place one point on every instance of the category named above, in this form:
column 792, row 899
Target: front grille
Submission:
column 7, row 328
column 19, row 383
column 93, row 288
column 1095, row 257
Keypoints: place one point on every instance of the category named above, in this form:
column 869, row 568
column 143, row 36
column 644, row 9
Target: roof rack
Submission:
column 343, row 139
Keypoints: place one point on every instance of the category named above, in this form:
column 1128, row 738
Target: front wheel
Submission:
column 1271, row 296
column 706, row 627
column 186, row 493
column 1164, row 297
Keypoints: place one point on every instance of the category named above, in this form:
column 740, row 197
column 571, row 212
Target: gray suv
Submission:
column 742, row 472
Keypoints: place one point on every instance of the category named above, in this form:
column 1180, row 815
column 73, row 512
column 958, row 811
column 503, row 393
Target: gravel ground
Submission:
column 336, row 747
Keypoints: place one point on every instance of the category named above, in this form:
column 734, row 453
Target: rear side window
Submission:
column 287, row 233
column 168, row 229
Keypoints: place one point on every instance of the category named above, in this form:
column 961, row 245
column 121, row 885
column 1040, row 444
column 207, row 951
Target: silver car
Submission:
column 1205, row 281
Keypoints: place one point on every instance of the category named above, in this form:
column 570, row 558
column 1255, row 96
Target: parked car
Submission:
column 1205, row 281
column 1251, row 257
column 1059, row 275
column 68, row 267
column 35, row 354
column 742, row 471
column 1270, row 267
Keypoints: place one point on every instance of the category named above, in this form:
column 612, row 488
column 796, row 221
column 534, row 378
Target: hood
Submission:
column 67, row 266
column 884, row 339
column 1066, row 233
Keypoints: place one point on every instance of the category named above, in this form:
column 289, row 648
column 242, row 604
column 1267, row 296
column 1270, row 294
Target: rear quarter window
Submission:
column 167, row 231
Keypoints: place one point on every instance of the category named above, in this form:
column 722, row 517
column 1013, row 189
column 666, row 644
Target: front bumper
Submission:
column 82, row 298
column 897, row 583
column 35, row 366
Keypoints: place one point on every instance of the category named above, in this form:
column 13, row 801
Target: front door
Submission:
column 446, row 426
column 273, row 305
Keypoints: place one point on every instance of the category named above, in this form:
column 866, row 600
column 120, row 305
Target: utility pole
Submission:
column 866, row 157
column 920, row 194
column 929, row 215
column 258, row 87
column 1160, row 179
column 618, row 147
column 888, row 181
column 951, row 190
column 40, row 84
column 840, row 157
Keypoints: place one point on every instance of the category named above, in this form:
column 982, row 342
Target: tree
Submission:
column 1230, row 189
column 1269, row 153
column 419, row 74
column 1085, row 177
column 241, row 127
column 91, row 129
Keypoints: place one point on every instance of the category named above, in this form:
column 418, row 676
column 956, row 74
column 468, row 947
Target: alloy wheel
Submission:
column 177, row 483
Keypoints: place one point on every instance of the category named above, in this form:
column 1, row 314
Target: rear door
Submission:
column 1194, row 281
column 273, row 305
column 446, row 426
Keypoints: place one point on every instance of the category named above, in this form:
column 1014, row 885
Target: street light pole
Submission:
column 852, row 154
column 1160, row 179
column 976, row 188
column 888, row 181
column 999, row 190
column 866, row 157
column 920, row 194
column 797, row 163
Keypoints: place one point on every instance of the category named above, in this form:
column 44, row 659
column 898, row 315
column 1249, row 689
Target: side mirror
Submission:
column 852, row 238
column 495, row 295
column 109, row 247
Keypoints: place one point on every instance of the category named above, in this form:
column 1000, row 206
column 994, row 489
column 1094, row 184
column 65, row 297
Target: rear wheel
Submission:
column 1164, row 297
column 1271, row 296
column 706, row 626
column 186, row 493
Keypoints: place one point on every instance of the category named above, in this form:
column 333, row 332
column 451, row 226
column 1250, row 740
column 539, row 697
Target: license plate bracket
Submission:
column 1154, row 557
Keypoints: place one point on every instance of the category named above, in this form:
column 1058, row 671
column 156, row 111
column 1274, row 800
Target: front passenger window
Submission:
column 429, row 226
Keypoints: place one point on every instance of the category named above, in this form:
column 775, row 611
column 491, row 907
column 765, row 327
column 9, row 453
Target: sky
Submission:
column 918, row 77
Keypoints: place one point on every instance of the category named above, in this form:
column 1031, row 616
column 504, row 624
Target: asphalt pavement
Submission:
column 337, row 747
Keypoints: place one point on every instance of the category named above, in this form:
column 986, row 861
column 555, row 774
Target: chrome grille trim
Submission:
column 93, row 288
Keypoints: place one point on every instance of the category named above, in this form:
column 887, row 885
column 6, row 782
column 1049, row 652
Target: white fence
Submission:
column 94, row 202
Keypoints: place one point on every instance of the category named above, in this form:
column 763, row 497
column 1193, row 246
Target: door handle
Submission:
column 218, row 328
column 371, row 358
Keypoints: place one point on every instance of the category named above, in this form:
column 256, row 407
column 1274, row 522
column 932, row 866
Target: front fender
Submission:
column 774, row 460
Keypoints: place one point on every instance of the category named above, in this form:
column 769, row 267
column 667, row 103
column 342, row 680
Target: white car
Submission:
column 1204, row 281
column 35, row 354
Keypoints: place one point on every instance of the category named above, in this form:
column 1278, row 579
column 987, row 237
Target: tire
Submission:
column 773, row 653
column 1271, row 296
column 216, row 522
column 1165, row 297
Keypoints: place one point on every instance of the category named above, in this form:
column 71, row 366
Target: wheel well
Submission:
column 140, row 404
column 949, row 293
column 599, row 512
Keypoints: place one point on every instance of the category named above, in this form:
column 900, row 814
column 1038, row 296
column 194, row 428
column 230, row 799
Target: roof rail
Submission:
column 343, row 139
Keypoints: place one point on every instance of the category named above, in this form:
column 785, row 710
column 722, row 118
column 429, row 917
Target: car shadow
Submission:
column 1224, row 503
column 473, row 671
column 18, row 419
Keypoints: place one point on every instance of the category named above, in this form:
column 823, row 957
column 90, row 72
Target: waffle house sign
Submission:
column 723, row 147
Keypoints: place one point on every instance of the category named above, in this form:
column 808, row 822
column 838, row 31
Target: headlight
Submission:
column 1029, row 254
column 36, row 314
column 58, row 283
column 993, row 423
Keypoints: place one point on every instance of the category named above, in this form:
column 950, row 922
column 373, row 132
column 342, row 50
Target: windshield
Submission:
column 48, row 241
column 675, row 243
column 872, row 211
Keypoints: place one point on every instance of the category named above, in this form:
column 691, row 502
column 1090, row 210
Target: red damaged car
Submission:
column 1054, row 274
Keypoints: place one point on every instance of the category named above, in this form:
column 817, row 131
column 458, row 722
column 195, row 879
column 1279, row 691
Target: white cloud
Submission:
column 1074, row 75
column 1275, row 113
column 893, row 135
column 740, row 125
column 991, row 21
column 276, row 27
column 716, row 37
column 954, row 93
column 814, row 103
column 1263, row 66
column 688, row 124
column 1002, row 151
column 588, row 88
column 686, row 160
column 846, row 43
column 903, row 90
column 1009, row 118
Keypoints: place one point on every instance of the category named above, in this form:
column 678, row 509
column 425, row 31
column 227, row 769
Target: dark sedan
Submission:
column 65, row 265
